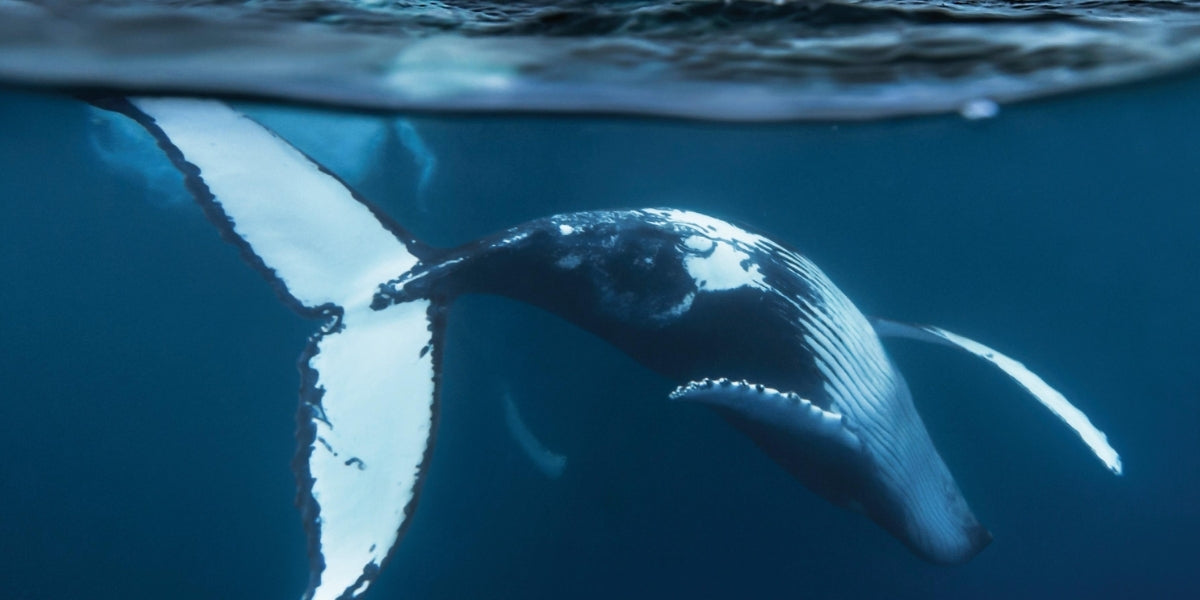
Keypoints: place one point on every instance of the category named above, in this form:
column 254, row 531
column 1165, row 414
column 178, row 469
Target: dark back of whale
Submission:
column 624, row 279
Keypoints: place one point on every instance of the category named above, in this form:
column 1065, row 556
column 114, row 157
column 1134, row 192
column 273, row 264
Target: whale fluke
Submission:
column 368, row 394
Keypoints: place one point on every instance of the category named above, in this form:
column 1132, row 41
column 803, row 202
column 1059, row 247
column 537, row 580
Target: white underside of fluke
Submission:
column 304, row 224
column 370, row 405
column 372, row 429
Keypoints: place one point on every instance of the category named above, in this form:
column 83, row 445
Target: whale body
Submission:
column 740, row 323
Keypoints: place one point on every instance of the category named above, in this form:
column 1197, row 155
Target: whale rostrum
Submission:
column 735, row 320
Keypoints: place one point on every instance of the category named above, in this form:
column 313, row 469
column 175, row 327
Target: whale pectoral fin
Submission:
column 366, row 425
column 816, row 446
column 1036, row 386
column 770, row 409
column 549, row 462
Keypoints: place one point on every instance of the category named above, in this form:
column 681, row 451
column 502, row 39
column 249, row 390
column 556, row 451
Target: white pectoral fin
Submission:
column 366, row 435
column 1048, row 396
column 780, row 411
column 549, row 462
column 294, row 220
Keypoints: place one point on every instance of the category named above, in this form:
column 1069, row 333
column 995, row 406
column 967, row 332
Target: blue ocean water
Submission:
column 151, row 384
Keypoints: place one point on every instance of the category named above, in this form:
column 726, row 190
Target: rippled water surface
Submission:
column 734, row 60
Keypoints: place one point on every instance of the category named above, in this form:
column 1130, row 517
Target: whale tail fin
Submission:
column 369, row 378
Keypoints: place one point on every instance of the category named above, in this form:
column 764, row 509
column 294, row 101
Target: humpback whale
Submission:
column 549, row 462
column 737, row 321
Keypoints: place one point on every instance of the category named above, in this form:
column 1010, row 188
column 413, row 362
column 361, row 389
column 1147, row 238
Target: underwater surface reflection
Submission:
column 745, row 60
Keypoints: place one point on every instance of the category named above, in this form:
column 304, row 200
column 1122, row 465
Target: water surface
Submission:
column 706, row 59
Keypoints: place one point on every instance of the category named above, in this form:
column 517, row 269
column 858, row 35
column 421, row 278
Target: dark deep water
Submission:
column 150, row 380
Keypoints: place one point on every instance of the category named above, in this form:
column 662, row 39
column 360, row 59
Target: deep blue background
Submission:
column 149, row 376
